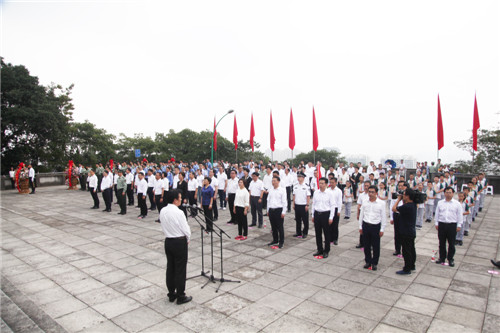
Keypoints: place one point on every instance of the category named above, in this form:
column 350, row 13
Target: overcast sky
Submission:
column 371, row 69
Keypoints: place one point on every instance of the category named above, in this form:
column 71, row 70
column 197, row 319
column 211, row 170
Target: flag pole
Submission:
column 236, row 155
column 314, row 154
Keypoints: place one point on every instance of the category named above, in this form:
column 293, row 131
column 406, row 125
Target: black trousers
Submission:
column 151, row 196
column 141, row 201
column 115, row 187
column 209, row 216
column 230, row 201
column 334, row 227
column 111, row 194
column 192, row 202
column 99, row 181
column 159, row 204
column 321, row 225
column 32, row 185
column 447, row 232
column 176, row 250
column 83, row 183
column 106, row 195
column 301, row 216
column 222, row 198
column 277, row 225
column 94, row 197
column 13, row 180
column 289, row 197
column 409, row 253
column 122, row 201
column 215, row 212
column 242, row 221
column 264, row 201
column 130, row 194
column 371, row 240
column 256, row 209
column 397, row 235
column 355, row 191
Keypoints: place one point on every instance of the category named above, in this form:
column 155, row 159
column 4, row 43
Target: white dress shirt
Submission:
column 192, row 185
column 142, row 187
column 151, row 181
column 256, row 187
column 31, row 174
column 12, row 173
column 199, row 179
column 287, row 180
column 106, row 182
column 232, row 186
column 277, row 199
column 174, row 223
column 268, row 182
column 323, row 202
column 343, row 178
column 362, row 197
column 176, row 181
column 221, row 178
column 337, row 197
column 449, row 212
column 242, row 199
column 158, row 187
column 301, row 192
column 93, row 182
column 129, row 178
column 166, row 184
column 373, row 212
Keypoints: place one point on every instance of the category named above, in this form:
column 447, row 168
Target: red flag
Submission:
column 475, row 125
column 235, row 134
column 291, row 136
column 252, row 133
column 440, row 127
column 318, row 168
column 215, row 136
column 315, row 132
column 273, row 139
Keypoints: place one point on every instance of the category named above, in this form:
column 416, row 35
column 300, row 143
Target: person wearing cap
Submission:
column 121, row 188
column 301, row 199
column 142, row 191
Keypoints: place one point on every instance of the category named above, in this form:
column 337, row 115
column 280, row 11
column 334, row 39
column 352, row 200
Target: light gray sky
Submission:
column 371, row 69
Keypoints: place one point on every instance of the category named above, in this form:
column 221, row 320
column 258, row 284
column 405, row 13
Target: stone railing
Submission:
column 42, row 179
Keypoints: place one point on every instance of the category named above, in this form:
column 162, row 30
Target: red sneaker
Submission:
column 243, row 237
column 238, row 237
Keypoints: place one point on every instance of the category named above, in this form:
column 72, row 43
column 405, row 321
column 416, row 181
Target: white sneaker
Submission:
column 224, row 208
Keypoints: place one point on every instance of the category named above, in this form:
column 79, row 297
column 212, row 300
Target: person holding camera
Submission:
column 449, row 219
column 407, row 220
column 395, row 217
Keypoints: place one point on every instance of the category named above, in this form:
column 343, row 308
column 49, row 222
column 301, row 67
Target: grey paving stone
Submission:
column 380, row 295
column 424, row 291
column 289, row 323
column 384, row 328
column 199, row 319
column 281, row 301
column 438, row 326
column 464, row 300
column 367, row 309
column 331, row 299
column 168, row 325
column 257, row 315
column 227, row 304
column 491, row 323
column 407, row 320
column 345, row 322
column 346, row 287
column 80, row 320
column 313, row 312
column 138, row 319
column 460, row 315
column 63, row 306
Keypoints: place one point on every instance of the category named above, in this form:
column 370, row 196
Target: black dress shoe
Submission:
column 335, row 242
column 304, row 236
column 280, row 246
column 272, row 243
column 318, row 254
column 366, row 266
column 172, row 298
column 396, row 253
column 184, row 299
column 251, row 225
column 104, row 210
column 359, row 246
column 495, row 263
column 374, row 267
column 325, row 255
column 466, row 233
column 295, row 235
column 439, row 261
column 460, row 243
column 451, row 263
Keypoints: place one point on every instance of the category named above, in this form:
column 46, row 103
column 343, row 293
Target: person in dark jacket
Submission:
column 407, row 219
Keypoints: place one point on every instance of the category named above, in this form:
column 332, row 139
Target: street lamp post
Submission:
column 213, row 132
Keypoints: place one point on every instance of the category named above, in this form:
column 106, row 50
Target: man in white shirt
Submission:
column 177, row 235
column 301, row 199
column 222, row 179
column 267, row 184
column 337, row 200
column 449, row 219
column 12, row 176
column 256, row 190
column 276, row 209
column 231, row 188
column 151, row 185
column 31, row 177
column 142, row 191
column 158, row 188
column 93, row 189
column 372, row 221
column 287, row 181
column 362, row 197
column 106, row 189
column 129, row 178
column 323, row 210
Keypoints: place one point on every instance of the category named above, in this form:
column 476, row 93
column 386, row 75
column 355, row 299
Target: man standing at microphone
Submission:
column 177, row 234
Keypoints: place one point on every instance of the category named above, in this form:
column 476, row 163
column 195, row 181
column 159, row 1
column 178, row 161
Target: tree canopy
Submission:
column 487, row 157
column 326, row 157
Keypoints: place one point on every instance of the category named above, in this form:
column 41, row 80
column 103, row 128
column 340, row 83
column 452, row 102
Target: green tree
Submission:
column 487, row 157
column 326, row 157
column 126, row 146
column 89, row 145
column 35, row 119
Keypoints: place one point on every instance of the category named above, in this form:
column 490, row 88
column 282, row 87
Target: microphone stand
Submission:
column 202, row 229
column 219, row 233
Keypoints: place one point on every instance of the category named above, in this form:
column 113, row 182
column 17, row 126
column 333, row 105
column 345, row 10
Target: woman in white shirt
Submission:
column 200, row 179
column 241, row 204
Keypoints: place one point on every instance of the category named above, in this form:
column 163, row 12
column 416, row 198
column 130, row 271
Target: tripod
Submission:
column 219, row 232
column 202, row 229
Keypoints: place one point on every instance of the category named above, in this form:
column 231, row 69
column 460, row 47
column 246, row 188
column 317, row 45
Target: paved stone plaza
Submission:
column 68, row 268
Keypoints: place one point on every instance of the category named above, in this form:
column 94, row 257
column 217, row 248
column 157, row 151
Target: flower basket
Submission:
column 24, row 185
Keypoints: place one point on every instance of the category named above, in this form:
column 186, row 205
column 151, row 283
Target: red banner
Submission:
column 235, row 134
column 475, row 125
column 315, row 132
column 111, row 165
column 215, row 136
column 252, row 133
column 440, row 135
column 273, row 139
column 291, row 134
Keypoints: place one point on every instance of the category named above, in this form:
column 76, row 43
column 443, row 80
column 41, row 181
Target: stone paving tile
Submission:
column 74, row 263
